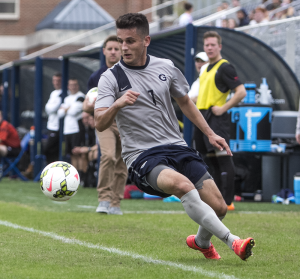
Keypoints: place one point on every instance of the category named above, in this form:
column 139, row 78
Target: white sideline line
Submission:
column 156, row 212
column 181, row 211
column 87, row 206
column 120, row 252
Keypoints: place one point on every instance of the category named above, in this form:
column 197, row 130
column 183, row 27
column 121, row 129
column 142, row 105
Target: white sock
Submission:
column 203, row 236
column 229, row 239
column 203, row 214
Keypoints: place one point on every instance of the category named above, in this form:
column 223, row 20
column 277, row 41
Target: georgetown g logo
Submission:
column 162, row 77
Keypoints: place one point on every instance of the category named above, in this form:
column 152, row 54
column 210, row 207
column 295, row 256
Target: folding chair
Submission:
column 13, row 161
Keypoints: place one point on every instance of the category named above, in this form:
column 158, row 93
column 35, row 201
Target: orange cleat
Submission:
column 209, row 253
column 243, row 247
column 231, row 207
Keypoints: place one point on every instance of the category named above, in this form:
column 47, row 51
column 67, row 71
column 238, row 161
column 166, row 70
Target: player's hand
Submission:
column 128, row 99
column 219, row 143
column 87, row 106
column 298, row 138
column 217, row 110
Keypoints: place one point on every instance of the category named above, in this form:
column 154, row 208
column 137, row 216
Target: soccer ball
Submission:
column 92, row 94
column 59, row 181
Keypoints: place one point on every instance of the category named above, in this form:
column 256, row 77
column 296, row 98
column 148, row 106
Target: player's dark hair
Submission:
column 134, row 20
column 57, row 75
column 188, row 6
column 112, row 38
column 212, row 34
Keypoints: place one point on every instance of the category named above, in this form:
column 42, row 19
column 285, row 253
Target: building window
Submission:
column 9, row 9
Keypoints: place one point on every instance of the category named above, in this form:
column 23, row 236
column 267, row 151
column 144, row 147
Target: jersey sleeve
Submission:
column 106, row 92
column 179, row 86
column 230, row 77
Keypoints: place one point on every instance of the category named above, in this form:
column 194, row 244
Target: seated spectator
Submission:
column 225, row 5
column 251, row 15
column 88, row 133
column 260, row 16
column 186, row 17
column 219, row 20
column 231, row 23
column 235, row 3
column 242, row 17
column 224, row 23
column 290, row 11
column 88, row 153
column 279, row 15
column 9, row 139
column 274, row 5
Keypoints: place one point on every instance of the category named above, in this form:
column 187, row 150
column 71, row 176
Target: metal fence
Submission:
column 283, row 36
column 94, row 38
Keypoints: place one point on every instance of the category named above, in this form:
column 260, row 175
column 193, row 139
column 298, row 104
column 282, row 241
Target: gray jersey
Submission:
column 151, row 121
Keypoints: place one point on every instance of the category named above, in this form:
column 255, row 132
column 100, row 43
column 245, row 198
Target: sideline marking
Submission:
column 87, row 206
column 120, row 252
column 156, row 212
column 180, row 211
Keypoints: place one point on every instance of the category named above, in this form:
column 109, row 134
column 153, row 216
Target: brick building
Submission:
column 20, row 19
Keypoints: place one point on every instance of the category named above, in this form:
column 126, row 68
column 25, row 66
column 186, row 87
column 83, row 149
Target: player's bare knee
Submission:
column 182, row 187
column 222, row 209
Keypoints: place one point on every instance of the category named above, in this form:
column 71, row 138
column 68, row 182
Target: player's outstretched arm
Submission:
column 192, row 113
column 104, row 117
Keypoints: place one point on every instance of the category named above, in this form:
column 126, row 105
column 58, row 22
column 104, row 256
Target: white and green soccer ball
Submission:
column 59, row 181
column 92, row 94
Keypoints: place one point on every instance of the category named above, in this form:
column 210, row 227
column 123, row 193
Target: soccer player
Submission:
column 137, row 92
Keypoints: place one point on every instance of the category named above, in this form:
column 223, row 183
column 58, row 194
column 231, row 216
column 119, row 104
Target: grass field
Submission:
column 45, row 239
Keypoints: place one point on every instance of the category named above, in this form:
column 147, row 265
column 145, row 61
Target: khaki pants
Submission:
column 113, row 171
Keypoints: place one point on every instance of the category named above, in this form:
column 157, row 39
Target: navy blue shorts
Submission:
column 182, row 159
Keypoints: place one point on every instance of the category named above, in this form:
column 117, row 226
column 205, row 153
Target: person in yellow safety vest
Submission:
column 216, row 82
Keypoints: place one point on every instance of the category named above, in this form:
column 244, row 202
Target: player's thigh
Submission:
column 174, row 183
column 211, row 195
